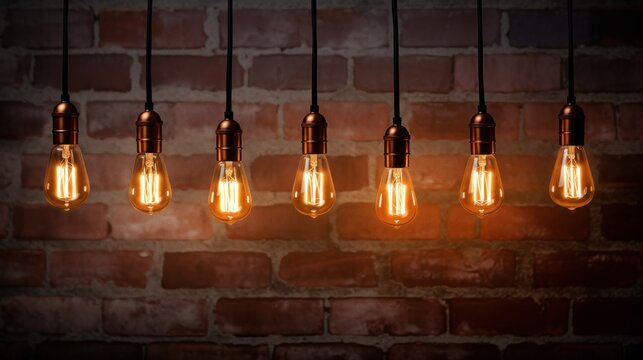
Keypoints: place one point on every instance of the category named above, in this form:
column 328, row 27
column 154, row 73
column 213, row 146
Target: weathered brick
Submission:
column 418, row 73
column 608, row 316
column 49, row 315
column 206, row 73
column 14, row 69
column 621, row 171
column 328, row 269
column 4, row 220
column 84, row 74
column 15, row 350
column 421, row 28
column 562, row 351
column 292, row 72
column 435, row 172
column 630, row 123
column 23, row 120
column 197, row 351
column 22, row 268
column 86, row 223
column 621, row 222
column 602, row 74
column 41, row 28
column 525, row 172
column 81, row 350
column 541, row 121
column 327, row 351
column 420, row 351
column 461, row 225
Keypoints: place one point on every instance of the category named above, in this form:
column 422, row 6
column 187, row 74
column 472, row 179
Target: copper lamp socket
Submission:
column 571, row 125
column 65, row 123
column 397, row 147
column 149, row 132
column 313, row 134
column 229, row 141
column 482, row 134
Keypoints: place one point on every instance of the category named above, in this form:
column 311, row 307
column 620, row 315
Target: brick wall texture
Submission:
column 533, row 281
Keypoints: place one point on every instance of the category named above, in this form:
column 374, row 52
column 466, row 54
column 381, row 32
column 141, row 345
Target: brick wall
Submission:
column 531, row 282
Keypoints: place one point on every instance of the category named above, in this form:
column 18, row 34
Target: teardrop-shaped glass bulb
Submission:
column 396, row 203
column 149, row 189
column 571, row 184
column 313, row 192
column 229, row 199
column 66, row 182
column 481, row 192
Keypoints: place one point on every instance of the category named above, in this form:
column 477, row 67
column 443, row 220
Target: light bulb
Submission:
column 229, row 199
column 66, row 182
column 396, row 203
column 571, row 184
column 149, row 189
column 481, row 192
column 313, row 192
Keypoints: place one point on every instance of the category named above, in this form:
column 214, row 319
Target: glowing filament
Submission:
column 149, row 182
column 228, row 189
column 66, row 182
column 396, row 191
column 572, row 184
column 481, row 184
column 313, row 184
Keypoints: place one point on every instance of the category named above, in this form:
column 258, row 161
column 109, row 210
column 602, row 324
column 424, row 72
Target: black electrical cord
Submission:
column 314, row 106
column 149, row 105
column 228, row 76
column 397, row 119
column 570, row 54
column 482, row 107
column 65, row 81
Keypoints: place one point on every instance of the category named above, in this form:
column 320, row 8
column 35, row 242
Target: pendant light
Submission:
column 149, row 189
column 481, row 191
column 395, row 203
column 229, row 197
column 313, row 192
column 66, row 183
column 571, row 183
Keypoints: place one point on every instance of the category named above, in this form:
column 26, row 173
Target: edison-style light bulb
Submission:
column 229, row 199
column 313, row 192
column 571, row 184
column 149, row 189
column 66, row 182
column 481, row 192
column 396, row 203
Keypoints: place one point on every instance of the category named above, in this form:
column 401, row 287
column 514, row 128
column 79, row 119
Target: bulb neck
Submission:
column 571, row 125
column 397, row 147
column 229, row 140
column 482, row 134
column 65, row 123
column 313, row 134
column 149, row 132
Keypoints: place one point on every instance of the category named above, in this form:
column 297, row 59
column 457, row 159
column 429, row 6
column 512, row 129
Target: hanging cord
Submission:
column 65, row 81
column 397, row 119
column 482, row 107
column 228, row 76
column 314, row 107
column 570, row 56
column 149, row 105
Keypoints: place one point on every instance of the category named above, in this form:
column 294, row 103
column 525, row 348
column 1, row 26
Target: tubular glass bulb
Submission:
column 229, row 199
column 571, row 184
column 396, row 203
column 313, row 192
column 481, row 192
column 66, row 182
column 150, row 189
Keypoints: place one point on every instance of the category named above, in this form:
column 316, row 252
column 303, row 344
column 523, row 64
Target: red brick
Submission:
column 41, row 29
column 427, row 28
column 418, row 73
column 509, row 73
column 327, row 351
column 23, row 120
column 348, row 172
column 102, row 72
column 49, row 315
column 621, row 222
column 621, row 171
column 275, row 222
column 525, row 172
column 450, row 120
column 4, row 220
column 200, row 351
column 172, row 29
column 541, row 121
column 357, row 221
column 177, row 222
column 15, row 350
column 14, row 69
column 562, row 351
column 81, row 350
column 21, row 268
column 601, row 74
column 421, row 351
column 232, row 269
column 292, row 72
column 391, row 316
column 264, row 316
column 630, row 123
column 606, row 269
column 191, row 172
column 435, row 172
column 121, row 268
column 358, row 28
column 7, row 174
column 612, row 316
column 192, row 72
column 155, row 317
column 44, row 222
column 514, row 316
column 328, row 269
column 458, row 268
column 536, row 223
column 356, row 121
column 461, row 225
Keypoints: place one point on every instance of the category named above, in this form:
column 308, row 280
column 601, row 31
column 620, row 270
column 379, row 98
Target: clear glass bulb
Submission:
column 396, row 203
column 571, row 184
column 481, row 192
column 229, row 199
column 313, row 192
column 66, row 182
column 149, row 189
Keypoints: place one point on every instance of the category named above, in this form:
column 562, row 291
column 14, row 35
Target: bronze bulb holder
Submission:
column 229, row 140
column 65, row 123
column 571, row 125
column 397, row 147
column 149, row 132
column 313, row 134
column 482, row 134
